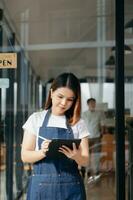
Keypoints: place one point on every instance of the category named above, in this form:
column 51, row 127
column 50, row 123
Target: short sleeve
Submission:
column 30, row 125
column 82, row 129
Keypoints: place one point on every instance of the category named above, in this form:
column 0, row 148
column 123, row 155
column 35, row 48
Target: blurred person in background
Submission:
column 94, row 120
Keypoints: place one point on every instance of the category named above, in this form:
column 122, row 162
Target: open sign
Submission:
column 8, row 60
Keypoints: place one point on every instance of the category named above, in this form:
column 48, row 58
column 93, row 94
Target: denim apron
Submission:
column 55, row 178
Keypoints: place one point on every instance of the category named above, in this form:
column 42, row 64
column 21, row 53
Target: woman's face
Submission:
column 62, row 100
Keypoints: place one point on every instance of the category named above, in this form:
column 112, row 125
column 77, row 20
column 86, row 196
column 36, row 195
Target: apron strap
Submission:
column 45, row 121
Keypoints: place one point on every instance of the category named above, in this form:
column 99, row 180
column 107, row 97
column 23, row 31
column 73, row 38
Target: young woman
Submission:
column 57, row 178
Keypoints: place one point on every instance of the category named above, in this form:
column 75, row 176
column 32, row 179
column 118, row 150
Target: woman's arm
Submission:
column 80, row 155
column 28, row 153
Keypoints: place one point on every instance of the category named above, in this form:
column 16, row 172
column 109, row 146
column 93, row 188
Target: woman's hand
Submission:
column 45, row 146
column 70, row 153
column 28, row 152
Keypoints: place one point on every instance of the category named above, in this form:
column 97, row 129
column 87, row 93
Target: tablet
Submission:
column 57, row 143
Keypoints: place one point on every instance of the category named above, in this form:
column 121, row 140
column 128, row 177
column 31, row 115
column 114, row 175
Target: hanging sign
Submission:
column 8, row 60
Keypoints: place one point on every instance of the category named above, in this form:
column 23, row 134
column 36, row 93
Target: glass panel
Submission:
column 52, row 37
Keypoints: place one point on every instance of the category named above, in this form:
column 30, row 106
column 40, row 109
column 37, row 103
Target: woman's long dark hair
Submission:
column 70, row 81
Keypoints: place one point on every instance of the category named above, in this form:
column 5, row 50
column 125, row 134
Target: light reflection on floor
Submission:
column 101, row 189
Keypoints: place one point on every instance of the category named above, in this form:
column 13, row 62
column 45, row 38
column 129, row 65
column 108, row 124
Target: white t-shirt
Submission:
column 35, row 121
column 93, row 122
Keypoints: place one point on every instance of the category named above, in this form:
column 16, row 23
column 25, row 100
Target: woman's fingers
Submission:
column 45, row 142
column 70, row 153
column 45, row 145
column 74, row 146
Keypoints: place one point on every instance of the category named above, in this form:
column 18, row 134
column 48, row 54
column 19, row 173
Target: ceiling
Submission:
column 68, row 35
